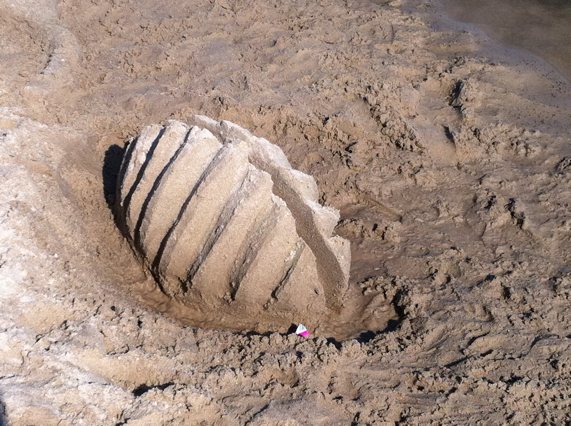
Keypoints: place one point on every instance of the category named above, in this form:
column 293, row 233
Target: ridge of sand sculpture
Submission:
column 227, row 227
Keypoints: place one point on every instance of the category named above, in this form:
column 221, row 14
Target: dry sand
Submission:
column 451, row 171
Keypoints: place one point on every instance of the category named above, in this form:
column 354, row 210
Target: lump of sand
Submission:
column 228, row 228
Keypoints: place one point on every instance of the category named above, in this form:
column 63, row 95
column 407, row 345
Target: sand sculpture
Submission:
column 227, row 227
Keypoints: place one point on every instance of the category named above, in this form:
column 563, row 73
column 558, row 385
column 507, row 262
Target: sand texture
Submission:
column 451, row 173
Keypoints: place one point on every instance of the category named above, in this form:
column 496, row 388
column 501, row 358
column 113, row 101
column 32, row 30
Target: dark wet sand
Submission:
column 542, row 27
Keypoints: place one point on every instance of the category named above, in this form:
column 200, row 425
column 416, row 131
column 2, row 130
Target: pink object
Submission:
column 302, row 331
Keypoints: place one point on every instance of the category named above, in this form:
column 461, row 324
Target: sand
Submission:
column 226, row 227
column 540, row 27
column 450, row 169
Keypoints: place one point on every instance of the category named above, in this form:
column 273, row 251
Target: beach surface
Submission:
column 540, row 27
column 451, row 169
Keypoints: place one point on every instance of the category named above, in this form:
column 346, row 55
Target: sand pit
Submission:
column 450, row 172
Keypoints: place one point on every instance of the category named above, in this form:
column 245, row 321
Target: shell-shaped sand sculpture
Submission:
column 228, row 228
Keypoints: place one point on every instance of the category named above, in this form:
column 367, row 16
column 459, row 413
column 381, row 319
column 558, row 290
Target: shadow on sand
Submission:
column 110, row 173
column 3, row 420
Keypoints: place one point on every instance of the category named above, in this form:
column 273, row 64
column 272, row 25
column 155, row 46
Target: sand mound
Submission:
column 225, row 225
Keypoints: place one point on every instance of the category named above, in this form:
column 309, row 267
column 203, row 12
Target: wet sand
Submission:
column 540, row 27
column 531, row 31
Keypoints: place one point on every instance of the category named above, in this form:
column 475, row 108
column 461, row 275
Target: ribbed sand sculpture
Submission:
column 228, row 228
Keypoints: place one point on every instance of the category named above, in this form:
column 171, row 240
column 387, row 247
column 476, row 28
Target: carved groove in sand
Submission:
column 227, row 227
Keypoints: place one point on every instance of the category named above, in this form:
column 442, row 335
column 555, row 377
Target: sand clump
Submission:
column 226, row 226
column 450, row 172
